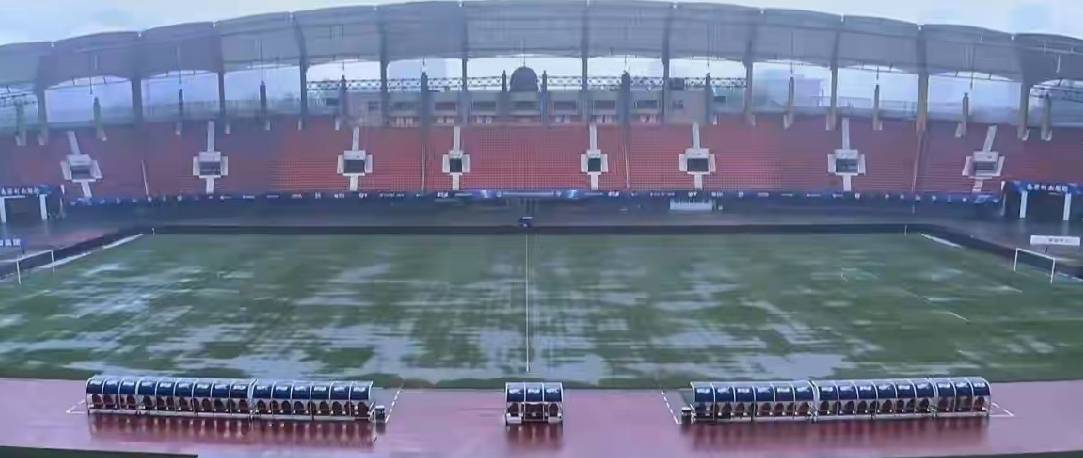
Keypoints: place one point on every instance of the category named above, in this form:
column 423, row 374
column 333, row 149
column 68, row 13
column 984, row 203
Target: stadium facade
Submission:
column 542, row 132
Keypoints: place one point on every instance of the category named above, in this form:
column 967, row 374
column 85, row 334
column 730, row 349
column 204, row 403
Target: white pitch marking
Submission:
column 668, row 407
column 1008, row 412
column 941, row 241
column 77, row 408
column 956, row 315
column 77, row 257
column 391, row 408
column 30, row 255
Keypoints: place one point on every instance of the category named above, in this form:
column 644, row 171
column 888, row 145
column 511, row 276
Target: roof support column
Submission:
column 302, row 64
column 877, row 124
column 424, row 106
column 43, row 115
column 503, row 101
column 1023, row 128
column 586, row 108
column 304, row 96
column 544, row 99
column 20, row 124
column 222, row 115
column 923, row 87
column 464, row 85
column 385, row 95
column 464, row 90
column 923, row 109
column 264, row 113
column 583, row 86
column 833, row 112
column 178, row 128
column 964, row 118
column 750, row 118
column 99, row 123
column 787, row 117
column 137, row 100
column 1047, row 118
column 708, row 100
column 922, row 121
column 748, row 61
column 666, row 94
column 343, row 103
column 923, row 101
column 464, row 93
column 624, row 108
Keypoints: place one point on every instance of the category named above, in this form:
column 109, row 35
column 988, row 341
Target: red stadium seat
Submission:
column 762, row 157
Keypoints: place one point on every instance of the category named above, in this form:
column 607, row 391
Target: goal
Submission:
column 17, row 267
column 1035, row 259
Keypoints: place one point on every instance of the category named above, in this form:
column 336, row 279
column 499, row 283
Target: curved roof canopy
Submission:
column 569, row 28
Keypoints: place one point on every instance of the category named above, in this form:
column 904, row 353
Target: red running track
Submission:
column 1030, row 417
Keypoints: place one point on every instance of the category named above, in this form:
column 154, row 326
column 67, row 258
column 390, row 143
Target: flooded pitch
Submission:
column 599, row 310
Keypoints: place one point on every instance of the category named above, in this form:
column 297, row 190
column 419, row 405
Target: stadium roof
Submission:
column 569, row 28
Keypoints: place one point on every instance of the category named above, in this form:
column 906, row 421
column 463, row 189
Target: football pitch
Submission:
column 636, row 311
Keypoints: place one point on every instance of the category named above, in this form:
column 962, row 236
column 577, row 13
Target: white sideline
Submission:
column 669, row 408
column 391, row 408
column 941, row 241
column 79, row 256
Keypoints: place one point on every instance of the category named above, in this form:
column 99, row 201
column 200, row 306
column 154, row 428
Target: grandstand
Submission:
column 618, row 235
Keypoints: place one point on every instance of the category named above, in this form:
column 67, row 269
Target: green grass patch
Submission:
column 631, row 311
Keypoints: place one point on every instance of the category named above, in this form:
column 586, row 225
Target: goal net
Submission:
column 16, row 268
column 1041, row 261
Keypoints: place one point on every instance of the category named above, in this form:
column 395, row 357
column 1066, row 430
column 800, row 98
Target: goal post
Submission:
column 18, row 267
column 1035, row 259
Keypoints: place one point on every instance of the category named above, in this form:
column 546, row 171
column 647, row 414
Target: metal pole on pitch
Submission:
column 52, row 260
column 1015, row 262
column 1053, row 271
column 18, row 272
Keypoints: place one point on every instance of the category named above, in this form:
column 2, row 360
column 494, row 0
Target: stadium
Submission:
column 393, row 265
